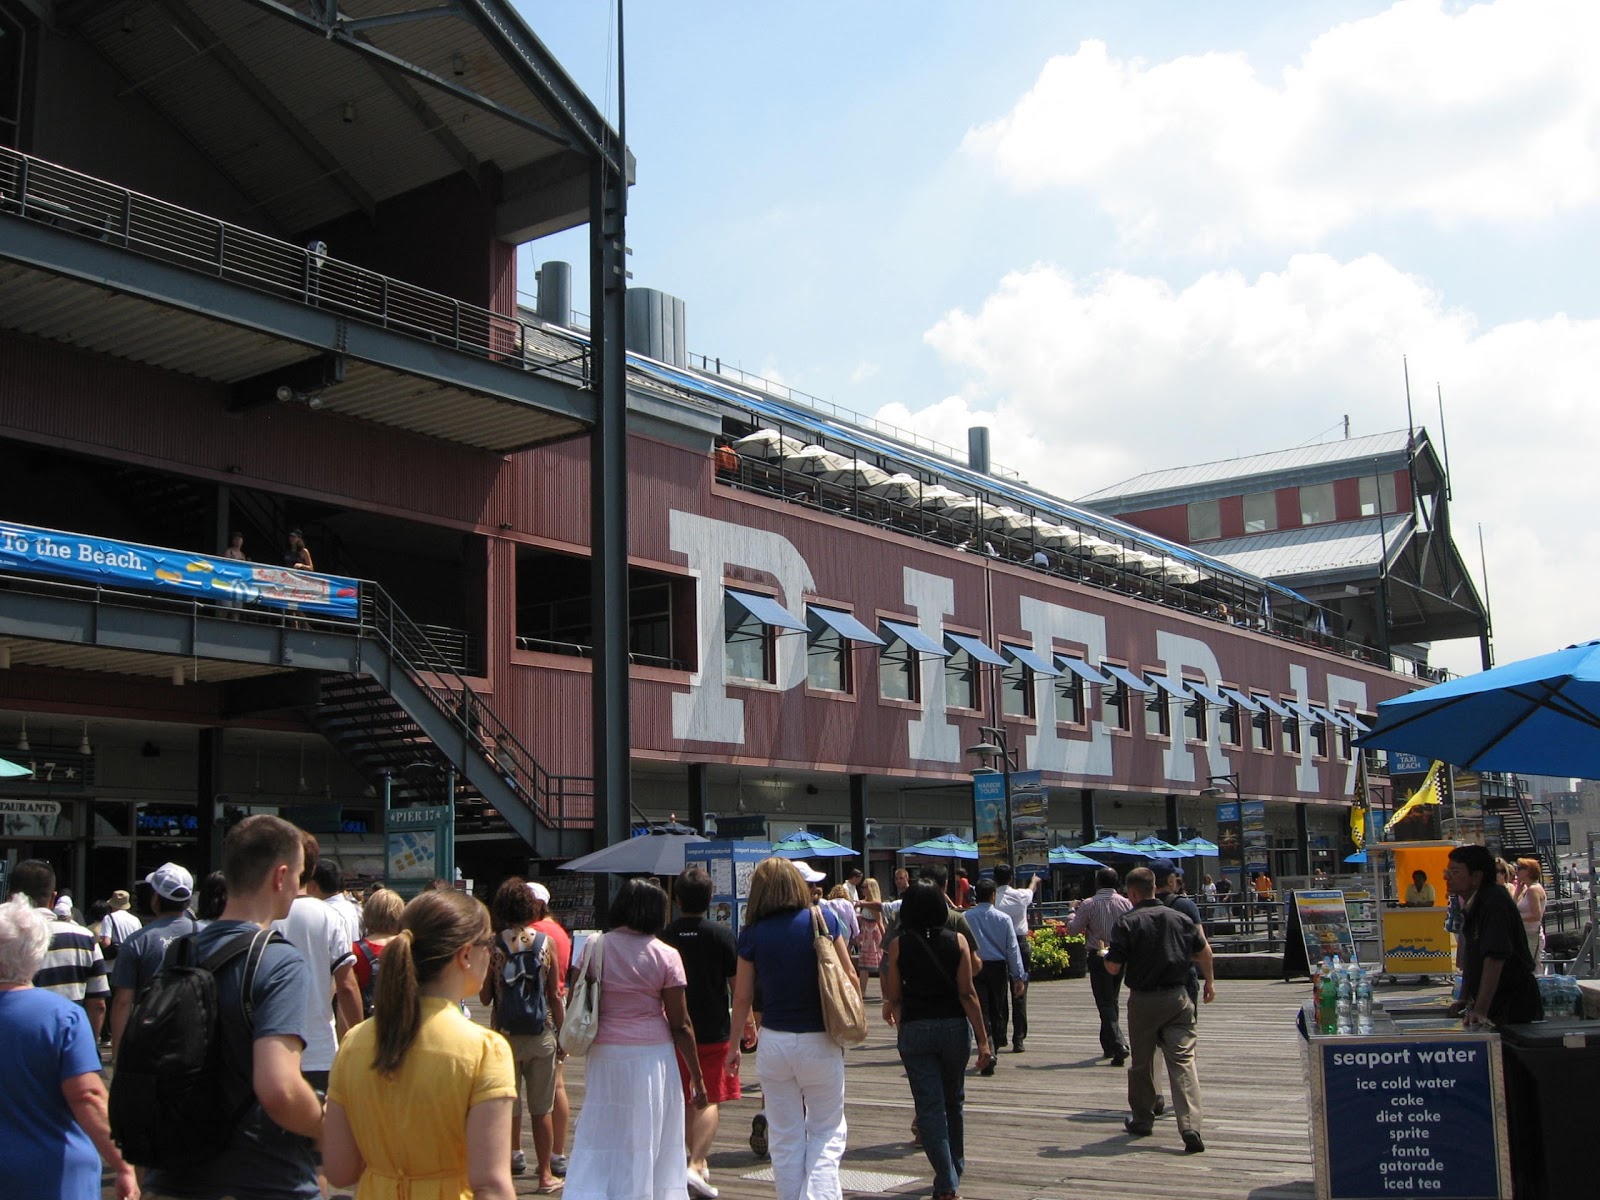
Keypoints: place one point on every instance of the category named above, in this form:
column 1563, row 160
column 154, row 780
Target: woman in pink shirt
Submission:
column 629, row 1140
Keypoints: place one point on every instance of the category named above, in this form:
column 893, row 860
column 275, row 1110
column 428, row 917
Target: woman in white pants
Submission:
column 800, row 1067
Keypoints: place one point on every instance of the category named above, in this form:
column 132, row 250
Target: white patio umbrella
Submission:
column 937, row 496
column 767, row 444
column 1006, row 520
column 899, row 487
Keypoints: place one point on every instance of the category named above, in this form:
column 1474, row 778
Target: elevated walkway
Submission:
column 387, row 697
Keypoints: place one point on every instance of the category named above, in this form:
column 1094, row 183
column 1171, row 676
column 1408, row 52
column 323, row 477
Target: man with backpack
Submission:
column 141, row 957
column 247, row 1124
column 523, row 989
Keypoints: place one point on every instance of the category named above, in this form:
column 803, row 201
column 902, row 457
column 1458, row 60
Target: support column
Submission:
column 1091, row 824
column 1170, row 834
column 858, row 822
column 1302, row 836
column 608, row 501
column 699, row 791
column 208, row 801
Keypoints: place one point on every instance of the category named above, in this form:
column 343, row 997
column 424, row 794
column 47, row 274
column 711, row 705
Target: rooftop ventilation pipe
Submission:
column 656, row 326
column 978, row 448
column 555, row 293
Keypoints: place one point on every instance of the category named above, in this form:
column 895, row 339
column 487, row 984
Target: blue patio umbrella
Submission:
column 810, row 845
column 1540, row 716
column 1200, row 847
column 946, row 845
column 1114, row 845
column 1360, row 856
column 1154, row 845
column 11, row 770
column 1063, row 856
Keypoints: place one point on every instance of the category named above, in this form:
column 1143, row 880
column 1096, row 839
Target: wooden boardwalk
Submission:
column 1048, row 1124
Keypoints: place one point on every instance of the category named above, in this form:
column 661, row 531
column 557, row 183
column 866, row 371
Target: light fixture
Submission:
column 301, row 785
column 22, row 741
column 83, row 742
column 349, row 112
column 458, row 64
column 177, row 674
column 5, row 658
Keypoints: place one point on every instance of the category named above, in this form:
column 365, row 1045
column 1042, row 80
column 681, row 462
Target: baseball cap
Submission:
column 809, row 874
column 171, row 882
column 1163, row 867
column 540, row 892
column 120, row 899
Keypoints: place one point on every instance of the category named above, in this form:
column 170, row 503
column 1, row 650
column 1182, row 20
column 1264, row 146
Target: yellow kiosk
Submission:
column 1415, row 941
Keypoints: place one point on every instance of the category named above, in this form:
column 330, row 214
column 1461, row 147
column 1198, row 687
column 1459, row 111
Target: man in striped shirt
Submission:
column 1095, row 918
column 73, row 965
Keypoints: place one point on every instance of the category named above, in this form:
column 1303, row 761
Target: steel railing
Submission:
column 38, row 190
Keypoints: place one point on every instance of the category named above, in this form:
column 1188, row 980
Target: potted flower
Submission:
column 1057, row 954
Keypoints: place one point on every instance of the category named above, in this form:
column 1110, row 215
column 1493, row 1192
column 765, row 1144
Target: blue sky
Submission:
column 1136, row 235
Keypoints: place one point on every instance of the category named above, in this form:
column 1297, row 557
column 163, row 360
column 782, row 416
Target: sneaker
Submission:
column 519, row 1163
column 758, row 1135
column 558, row 1165
column 699, row 1187
column 1192, row 1143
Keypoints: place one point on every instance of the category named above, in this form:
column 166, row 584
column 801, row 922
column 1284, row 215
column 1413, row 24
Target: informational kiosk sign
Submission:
column 730, row 865
column 1319, row 928
column 1395, row 1116
column 417, row 848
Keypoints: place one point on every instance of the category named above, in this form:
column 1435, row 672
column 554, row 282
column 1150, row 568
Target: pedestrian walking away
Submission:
column 1001, row 976
column 1095, row 918
column 1014, row 902
column 1153, row 945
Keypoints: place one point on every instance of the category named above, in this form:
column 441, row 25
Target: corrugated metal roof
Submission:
column 1293, row 554
column 1346, row 450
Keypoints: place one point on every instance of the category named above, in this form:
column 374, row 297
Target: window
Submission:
column 1069, row 699
column 553, row 610
column 1316, row 503
column 1345, row 746
column 1205, row 521
column 1261, row 729
column 1319, row 739
column 1228, row 724
column 747, row 643
column 960, row 680
column 1157, row 716
column 827, row 657
column 1377, row 494
column 1016, row 690
column 1260, row 512
column 1194, row 719
column 1291, row 735
column 1114, row 707
column 898, row 677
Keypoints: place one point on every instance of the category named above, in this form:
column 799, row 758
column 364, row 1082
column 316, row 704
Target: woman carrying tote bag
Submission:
column 800, row 1067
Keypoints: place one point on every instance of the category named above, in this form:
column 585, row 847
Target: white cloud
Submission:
column 863, row 372
column 1088, row 382
column 1487, row 113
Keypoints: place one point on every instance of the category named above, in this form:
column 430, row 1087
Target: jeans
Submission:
column 994, row 991
column 935, row 1057
column 802, row 1078
column 1107, row 989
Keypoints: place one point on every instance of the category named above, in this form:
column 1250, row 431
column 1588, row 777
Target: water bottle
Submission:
column 1344, row 1005
column 1364, row 1004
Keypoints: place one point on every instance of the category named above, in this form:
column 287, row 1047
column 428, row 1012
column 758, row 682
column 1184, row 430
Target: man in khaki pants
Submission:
column 1151, row 947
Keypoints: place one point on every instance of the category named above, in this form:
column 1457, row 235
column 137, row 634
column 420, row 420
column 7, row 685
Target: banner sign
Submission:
column 175, row 572
column 1401, row 763
column 1030, row 832
column 730, row 865
column 1408, row 1118
column 1253, row 819
column 33, row 818
column 988, row 819
column 1230, row 837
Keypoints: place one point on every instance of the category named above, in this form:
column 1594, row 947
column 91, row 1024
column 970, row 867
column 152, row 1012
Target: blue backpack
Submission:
column 522, row 980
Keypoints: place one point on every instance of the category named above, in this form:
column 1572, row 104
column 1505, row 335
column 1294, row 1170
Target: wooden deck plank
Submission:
column 1048, row 1124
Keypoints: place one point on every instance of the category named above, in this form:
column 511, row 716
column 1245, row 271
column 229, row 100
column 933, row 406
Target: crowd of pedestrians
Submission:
column 349, row 1059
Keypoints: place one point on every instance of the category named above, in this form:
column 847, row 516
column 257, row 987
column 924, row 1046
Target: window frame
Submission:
column 961, row 663
column 1324, row 513
column 1115, row 699
column 1017, row 679
column 1159, row 705
column 731, row 631
column 1229, row 728
column 817, row 633
column 907, row 663
column 1209, row 526
column 1290, row 737
column 1069, row 688
column 1262, row 523
column 1195, row 722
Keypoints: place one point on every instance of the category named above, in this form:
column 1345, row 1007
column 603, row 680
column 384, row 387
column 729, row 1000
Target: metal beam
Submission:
column 110, row 267
column 197, row 31
column 432, row 123
column 332, row 32
column 356, row 24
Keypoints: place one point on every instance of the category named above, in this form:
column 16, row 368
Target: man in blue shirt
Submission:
column 996, row 936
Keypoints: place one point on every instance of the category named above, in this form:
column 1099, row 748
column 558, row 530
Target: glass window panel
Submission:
column 897, row 672
column 1016, row 690
column 1157, row 717
column 1260, row 512
column 828, row 660
column 1205, row 521
column 1316, row 503
column 1114, row 707
column 1069, row 699
column 960, row 681
column 746, row 645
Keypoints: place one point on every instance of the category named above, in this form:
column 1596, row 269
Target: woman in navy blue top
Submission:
column 800, row 1067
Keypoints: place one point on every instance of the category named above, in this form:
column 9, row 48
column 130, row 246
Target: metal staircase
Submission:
column 1519, row 839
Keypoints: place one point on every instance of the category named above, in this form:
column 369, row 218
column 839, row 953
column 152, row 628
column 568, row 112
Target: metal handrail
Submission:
column 38, row 190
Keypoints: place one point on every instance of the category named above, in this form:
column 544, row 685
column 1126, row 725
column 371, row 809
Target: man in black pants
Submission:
column 1014, row 903
column 1002, row 970
column 1094, row 919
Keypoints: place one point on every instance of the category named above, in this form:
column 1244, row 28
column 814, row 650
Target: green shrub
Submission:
column 1049, row 947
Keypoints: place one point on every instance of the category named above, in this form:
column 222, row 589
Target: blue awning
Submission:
column 1173, row 687
column 1244, row 701
column 1349, row 718
column 1206, row 693
column 844, row 624
column 767, row 610
column 1325, row 714
column 1125, row 677
column 975, row 647
column 1082, row 670
column 899, row 631
column 1036, row 663
column 1272, row 706
column 1304, row 711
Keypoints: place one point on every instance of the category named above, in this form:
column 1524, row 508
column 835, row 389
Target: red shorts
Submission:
column 720, row 1086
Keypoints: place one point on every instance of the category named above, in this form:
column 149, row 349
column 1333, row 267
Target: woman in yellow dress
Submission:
column 419, row 1102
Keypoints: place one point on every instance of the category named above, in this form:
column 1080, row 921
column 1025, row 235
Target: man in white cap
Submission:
column 561, row 1114
column 141, row 956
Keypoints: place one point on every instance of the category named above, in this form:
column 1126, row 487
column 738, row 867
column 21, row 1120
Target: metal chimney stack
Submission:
column 978, row 448
column 555, row 293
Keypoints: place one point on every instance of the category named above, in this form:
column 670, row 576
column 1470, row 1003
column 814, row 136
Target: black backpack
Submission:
column 522, row 1001
column 175, row 1100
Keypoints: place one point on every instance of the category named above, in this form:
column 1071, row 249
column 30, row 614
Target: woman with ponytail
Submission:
column 419, row 1103
column 928, row 993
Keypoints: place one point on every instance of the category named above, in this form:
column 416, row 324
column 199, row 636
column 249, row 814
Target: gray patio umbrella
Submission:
column 659, row 852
